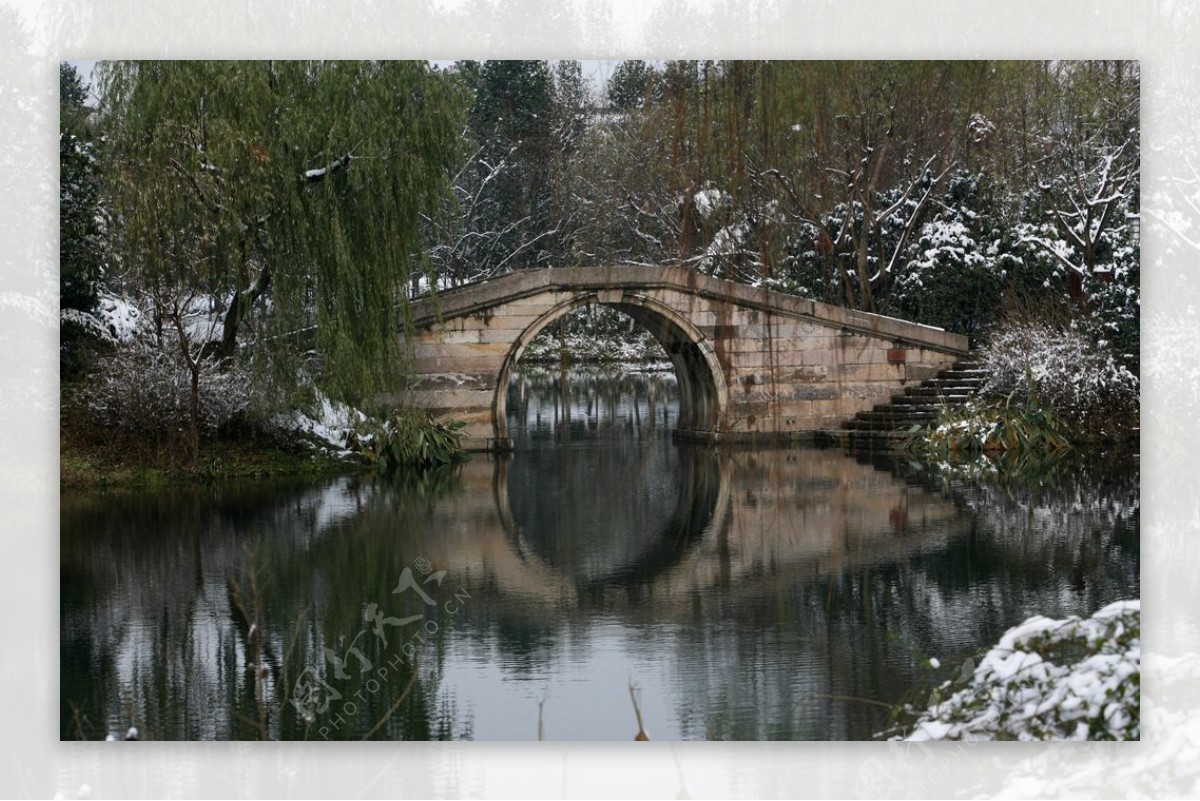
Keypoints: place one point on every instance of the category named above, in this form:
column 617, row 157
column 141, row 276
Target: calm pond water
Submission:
column 746, row 594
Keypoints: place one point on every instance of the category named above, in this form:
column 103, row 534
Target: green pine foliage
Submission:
column 83, row 223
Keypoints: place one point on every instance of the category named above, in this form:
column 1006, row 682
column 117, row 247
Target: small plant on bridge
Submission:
column 409, row 439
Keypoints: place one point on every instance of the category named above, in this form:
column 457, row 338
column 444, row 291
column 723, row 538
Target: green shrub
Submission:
column 409, row 439
column 993, row 426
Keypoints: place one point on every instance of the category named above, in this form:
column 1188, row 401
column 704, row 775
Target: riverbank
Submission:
column 86, row 463
column 95, row 459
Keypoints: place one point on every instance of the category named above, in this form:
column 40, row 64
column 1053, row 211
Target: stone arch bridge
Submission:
column 751, row 363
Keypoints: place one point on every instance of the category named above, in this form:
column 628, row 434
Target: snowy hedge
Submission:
column 1072, row 679
column 1064, row 369
column 143, row 392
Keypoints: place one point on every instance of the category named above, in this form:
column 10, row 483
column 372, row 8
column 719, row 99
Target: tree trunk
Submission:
column 239, row 308
column 194, row 418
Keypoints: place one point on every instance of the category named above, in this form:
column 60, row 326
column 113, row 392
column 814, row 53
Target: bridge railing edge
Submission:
column 475, row 298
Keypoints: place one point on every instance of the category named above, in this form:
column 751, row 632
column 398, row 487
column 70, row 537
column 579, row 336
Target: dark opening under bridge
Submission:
column 751, row 363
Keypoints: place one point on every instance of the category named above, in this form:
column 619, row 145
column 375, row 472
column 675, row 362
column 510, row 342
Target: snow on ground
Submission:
column 123, row 320
column 329, row 422
column 119, row 316
column 1072, row 679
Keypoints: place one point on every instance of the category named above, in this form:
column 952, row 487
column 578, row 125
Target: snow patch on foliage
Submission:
column 120, row 317
column 641, row 348
column 1061, row 367
column 708, row 201
column 88, row 323
column 1072, row 679
column 328, row 422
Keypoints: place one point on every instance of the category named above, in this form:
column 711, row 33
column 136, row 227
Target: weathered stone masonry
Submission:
column 750, row 362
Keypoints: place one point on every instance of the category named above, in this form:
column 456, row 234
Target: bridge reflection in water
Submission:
column 673, row 521
column 750, row 594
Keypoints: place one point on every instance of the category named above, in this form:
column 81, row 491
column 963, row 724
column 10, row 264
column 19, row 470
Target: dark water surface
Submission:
column 747, row 594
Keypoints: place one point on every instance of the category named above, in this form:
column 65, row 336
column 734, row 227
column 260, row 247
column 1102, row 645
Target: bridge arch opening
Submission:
column 697, row 370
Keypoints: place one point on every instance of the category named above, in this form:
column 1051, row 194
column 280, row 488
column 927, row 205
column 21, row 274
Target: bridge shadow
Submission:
column 655, row 530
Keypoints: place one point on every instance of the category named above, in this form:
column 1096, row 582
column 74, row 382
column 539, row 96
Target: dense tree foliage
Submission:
column 290, row 186
column 886, row 186
column 82, row 222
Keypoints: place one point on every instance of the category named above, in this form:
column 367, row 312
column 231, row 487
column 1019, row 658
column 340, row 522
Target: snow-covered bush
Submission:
column 143, row 393
column 1072, row 679
column 958, row 263
column 1064, row 369
column 594, row 334
column 314, row 418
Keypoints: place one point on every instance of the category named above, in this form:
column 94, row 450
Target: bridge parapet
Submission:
column 751, row 362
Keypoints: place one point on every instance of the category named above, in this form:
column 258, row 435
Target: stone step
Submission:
column 918, row 405
column 931, row 394
column 929, row 399
column 864, row 427
column 907, row 404
column 888, row 415
column 939, row 392
column 963, row 380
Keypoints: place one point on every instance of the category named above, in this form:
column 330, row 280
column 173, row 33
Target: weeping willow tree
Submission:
column 278, row 204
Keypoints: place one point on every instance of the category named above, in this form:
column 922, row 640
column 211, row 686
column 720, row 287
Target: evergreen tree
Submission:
column 82, row 224
column 632, row 84
column 513, row 120
column 81, row 257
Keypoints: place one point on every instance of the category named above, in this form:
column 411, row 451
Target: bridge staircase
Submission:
column 891, row 422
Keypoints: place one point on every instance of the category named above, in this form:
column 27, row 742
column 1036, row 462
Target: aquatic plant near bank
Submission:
column 983, row 426
column 407, row 439
column 1071, row 679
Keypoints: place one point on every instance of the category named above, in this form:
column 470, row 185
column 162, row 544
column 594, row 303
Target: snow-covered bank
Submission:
column 329, row 424
column 1072, row 679
column 640, row 349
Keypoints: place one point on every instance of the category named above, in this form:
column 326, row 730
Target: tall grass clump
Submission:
column 409, row 439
